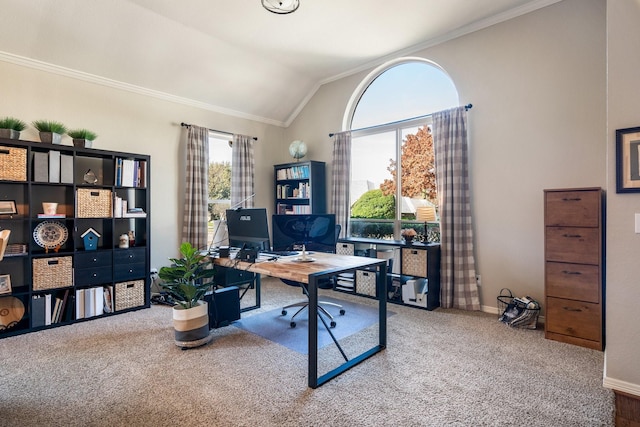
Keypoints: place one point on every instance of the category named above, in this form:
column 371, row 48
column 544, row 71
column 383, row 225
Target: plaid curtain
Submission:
column 242, row 170
column 196, row 214
column 340, row 179
column 458, row 270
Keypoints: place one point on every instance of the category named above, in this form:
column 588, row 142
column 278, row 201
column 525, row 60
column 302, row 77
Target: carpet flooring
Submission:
column 440, row 368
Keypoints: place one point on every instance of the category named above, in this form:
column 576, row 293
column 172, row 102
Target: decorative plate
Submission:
column 11, row 312
column 50, row 234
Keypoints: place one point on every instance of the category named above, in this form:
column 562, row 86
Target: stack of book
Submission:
column 14, row 249
column 121, row 209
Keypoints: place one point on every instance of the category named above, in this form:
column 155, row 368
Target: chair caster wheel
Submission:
column 292, row 324
column 332, row 324
column 342, row 312
column 284, row 312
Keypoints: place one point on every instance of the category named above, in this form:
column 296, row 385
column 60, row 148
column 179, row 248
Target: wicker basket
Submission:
column 51, row 273
column 366, row 282
column 345, row 248
column 129, row 294
column 13, row 164
column 414, row 262
column 93, row 203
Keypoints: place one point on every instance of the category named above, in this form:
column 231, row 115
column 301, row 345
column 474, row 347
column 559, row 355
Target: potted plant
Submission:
column 186, row 282
column 10, row 127
column 50, row 132
column 408, row 234
column 82, row 137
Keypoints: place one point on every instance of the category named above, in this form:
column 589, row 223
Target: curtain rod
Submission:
column 187, row 125
column 466, row 107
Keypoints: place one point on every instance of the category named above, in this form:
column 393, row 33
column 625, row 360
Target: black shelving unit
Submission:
column 85, row 187
column 300, row 188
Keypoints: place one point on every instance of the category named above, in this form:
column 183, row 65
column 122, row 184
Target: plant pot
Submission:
column 408, row 240
column 50, row 138
column 86, row 143
column 9, row 134
column 191, row 325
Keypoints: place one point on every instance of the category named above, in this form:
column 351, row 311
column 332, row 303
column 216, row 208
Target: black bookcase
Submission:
column 74, row 265
column 300, row 188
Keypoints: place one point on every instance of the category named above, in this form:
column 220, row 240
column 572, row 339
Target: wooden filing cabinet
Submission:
column 574, row 262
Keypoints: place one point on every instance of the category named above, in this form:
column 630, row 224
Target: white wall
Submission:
column 131, row 122
column 537, row 85
column 622, row 361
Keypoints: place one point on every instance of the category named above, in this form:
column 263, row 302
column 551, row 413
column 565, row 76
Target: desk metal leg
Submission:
column 256, row 287
column 381, row 286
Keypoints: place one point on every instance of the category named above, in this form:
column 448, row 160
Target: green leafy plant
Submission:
column 82, row 134
column 50, row 126
column 12, row 123
column 185, row 280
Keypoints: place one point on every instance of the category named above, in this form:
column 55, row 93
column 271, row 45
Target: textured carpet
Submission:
column 273, row 326
column 441, row 368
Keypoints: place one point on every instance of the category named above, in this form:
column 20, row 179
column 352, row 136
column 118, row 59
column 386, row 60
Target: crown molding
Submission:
column 114, row 84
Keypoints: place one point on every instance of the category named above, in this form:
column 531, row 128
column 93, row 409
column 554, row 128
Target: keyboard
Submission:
column 279, row 253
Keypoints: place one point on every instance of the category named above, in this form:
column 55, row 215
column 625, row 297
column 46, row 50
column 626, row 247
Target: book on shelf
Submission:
column 80, row 304
column 14, row 249
column 61, row 317
column 47, row 309
column 134, row 213
column 294, row 172
column 98, row 293
column 51, row 215
column 108, row 299
column 56, row 310
column 130, row 173
column 37, row 311
column 54, row 166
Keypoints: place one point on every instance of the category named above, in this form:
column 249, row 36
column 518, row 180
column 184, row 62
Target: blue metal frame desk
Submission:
column 324, row 265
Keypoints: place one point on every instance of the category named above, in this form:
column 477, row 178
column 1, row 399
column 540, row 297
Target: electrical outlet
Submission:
column 478, row 280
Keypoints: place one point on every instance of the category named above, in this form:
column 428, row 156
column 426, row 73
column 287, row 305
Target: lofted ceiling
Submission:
column 233, row 56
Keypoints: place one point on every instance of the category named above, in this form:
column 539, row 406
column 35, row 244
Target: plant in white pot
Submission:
column 186, row 281
column 50, row 132
column 82, row 137
column 10, row 127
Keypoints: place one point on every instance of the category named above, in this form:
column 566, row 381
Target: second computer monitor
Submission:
column 316, row 231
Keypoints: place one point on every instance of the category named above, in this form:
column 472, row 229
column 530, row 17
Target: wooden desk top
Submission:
column 288, row 268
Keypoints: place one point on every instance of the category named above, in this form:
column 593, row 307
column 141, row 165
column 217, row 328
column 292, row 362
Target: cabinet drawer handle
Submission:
column 5, row 152
column 95, row 260
column 577, row 310
column 571, row 272
column 95, row 274
column 571, row 199
column 572, row 236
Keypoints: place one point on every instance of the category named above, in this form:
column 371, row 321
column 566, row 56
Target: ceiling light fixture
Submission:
column 281, row 7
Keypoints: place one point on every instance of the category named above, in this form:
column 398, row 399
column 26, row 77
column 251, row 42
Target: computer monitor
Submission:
column 248, row 228
column 316, row 231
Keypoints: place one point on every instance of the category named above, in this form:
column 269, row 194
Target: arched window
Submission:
column 391, row 136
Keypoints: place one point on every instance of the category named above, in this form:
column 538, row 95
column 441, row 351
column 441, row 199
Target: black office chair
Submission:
column 324, row 284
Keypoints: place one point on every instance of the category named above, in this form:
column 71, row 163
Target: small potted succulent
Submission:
column 10, row 127
column 82, row 137
column 50, row 132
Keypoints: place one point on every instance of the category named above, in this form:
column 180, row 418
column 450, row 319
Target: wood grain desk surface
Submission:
column 289, row 268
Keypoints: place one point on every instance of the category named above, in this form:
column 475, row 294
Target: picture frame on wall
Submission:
column 5, row 284
column 628, row 160
column 8, row 207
